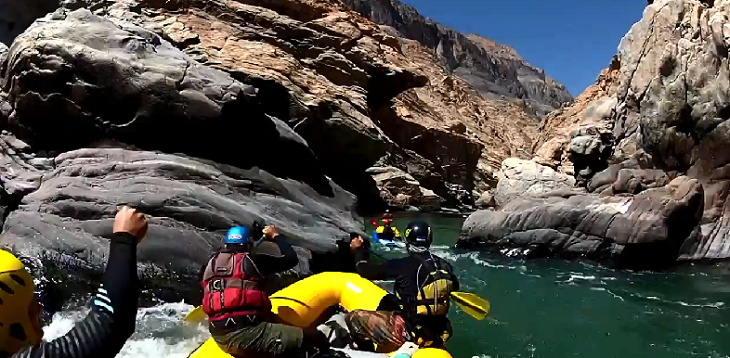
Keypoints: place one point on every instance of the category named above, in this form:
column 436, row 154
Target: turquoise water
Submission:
column 554, row 308
column 540, row 308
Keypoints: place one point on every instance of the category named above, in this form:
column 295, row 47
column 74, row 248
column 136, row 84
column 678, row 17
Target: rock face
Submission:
column 655, row 121
column 400, row 189
column 193, row 202
column 207, row 114
column 359, row 96
column 523, row 178
column 644, row 231
column 495, row 70
column 16, row 16
column 76, row 80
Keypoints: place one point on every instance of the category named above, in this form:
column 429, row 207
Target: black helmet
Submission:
column 419, row 234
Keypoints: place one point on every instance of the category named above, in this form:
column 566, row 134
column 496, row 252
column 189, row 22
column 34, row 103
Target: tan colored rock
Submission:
column 553, row 145
column 485, row 201
column 661, row 110
column 525, row 178
column 400, row 189
column 337, row 64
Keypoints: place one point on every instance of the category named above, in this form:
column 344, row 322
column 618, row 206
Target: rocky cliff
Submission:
column 207, row 114
column 646, row 147
column 495, row 70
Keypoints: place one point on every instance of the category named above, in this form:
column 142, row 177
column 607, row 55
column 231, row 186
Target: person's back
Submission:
column 386, row 230
column 423, row 283
column 239, row 311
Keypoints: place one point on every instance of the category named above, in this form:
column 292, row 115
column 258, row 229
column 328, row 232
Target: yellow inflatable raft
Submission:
column 305, row 301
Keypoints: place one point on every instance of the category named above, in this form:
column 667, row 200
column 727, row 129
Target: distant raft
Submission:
column 397, row 242
column 304, row 301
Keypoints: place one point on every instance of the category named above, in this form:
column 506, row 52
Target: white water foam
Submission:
column 574, row 277
column 474, row 257
column 160, row 331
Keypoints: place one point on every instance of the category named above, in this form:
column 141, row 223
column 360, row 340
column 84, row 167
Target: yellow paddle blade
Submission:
column 472, row 304
column 196, row 315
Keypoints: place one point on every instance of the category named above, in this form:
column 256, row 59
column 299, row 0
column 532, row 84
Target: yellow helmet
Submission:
column 16, row 295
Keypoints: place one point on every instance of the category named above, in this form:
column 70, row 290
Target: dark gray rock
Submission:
column 85, row 77
column 21, row 171
column 77, row 80
column 493, row 69
column 192, row 203
column 642, row 231
column 3, row 52
column 16, row 16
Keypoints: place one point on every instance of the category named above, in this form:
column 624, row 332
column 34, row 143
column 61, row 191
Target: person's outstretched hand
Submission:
column 271, row 232
column 131, row 221
column 356, row 243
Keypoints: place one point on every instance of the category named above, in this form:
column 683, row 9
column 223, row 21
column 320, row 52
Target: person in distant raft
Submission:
column 238, row 309
column 385, row 230
column 423, row 284
column 110, row 321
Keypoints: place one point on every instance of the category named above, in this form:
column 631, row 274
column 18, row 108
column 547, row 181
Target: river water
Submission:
column 540, row 308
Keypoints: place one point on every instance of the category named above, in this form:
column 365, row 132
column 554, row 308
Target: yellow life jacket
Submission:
column 434, row 292
column 381, row 229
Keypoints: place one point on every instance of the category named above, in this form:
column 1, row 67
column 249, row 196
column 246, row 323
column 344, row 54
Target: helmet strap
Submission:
column 415, row 249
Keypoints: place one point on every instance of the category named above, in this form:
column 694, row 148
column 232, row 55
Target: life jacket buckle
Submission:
column 217, row 285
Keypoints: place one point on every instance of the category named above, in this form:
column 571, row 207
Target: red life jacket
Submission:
column 229, row 291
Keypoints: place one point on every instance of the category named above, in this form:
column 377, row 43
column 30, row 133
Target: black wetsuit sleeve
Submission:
column 268, row 263
column 371, row 271
column 111, row 321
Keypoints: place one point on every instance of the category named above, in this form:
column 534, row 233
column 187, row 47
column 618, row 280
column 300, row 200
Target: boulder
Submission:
column 486, row 200
column 97, row 99
column 400, row 189
column 524, row 178
column 193, row 202
column 625, row 179
column 658, row 113
column 642, row 231
column 68, row 88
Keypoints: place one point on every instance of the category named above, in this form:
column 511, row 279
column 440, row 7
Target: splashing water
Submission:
column 160, row 331
column 540, row 308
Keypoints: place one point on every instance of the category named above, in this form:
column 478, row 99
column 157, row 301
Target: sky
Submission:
column 572, row 40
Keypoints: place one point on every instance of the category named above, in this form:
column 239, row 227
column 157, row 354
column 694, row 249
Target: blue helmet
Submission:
column 238, row 235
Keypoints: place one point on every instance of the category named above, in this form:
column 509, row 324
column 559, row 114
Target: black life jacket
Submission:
column 434, row 291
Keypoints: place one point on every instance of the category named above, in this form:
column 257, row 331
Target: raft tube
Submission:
column 388, row 243
column 304, row 301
